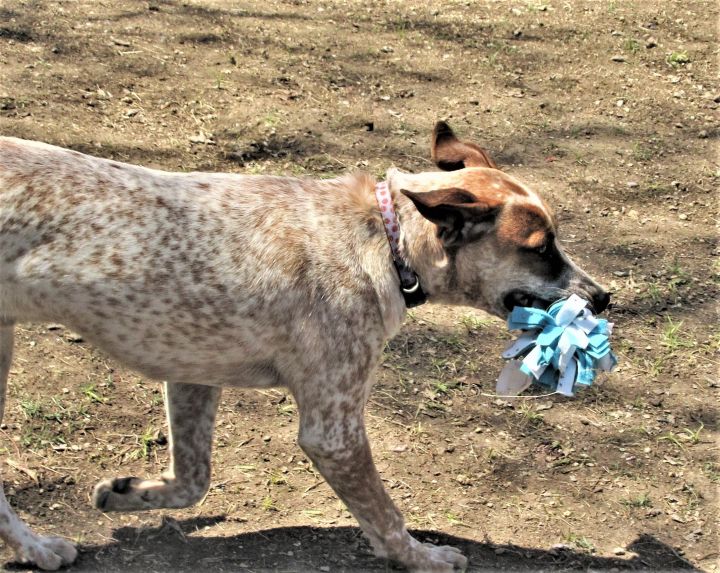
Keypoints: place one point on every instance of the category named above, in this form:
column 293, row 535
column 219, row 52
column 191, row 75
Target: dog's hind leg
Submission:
column 46, row 552
column 191, row 410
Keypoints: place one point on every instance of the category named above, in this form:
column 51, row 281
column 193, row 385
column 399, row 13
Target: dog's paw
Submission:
column 118, row 494
column 48, row 553
column 438, row 559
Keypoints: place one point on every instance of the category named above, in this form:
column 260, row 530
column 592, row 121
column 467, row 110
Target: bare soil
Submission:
column 610, row 109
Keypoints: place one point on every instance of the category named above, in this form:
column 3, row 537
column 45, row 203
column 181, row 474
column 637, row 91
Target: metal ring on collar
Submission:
column 413, row 288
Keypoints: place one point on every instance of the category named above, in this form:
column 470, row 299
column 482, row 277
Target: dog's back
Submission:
column 172, row 271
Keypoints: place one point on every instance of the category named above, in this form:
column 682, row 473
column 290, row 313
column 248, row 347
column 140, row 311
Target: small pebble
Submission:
column 618, row 58
column 618, row 551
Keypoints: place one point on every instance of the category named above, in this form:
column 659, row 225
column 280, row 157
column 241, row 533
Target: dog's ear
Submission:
column 459, row 215
column 451, row 154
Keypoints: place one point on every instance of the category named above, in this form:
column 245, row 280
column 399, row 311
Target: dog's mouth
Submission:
column 523, row 298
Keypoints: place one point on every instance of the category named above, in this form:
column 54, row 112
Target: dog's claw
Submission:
column 122, row 485
column 109, row 488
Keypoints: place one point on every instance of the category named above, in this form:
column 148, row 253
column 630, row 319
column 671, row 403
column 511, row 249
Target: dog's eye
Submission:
column 542, row 249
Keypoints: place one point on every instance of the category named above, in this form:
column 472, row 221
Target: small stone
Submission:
column 517, row 33
column 266, row 438
column 618, row 58
column 676, row 517
column 703, row 134
column 682, row 217
column 500, row 550
column 132, row 112
column 619, row 551
column 633, row 184
column 73, row 337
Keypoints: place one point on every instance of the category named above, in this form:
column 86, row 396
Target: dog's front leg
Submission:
column 191, row 410
column 46, row 552
column 332, row 434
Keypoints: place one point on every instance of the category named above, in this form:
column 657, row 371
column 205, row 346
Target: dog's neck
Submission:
column 420, row 246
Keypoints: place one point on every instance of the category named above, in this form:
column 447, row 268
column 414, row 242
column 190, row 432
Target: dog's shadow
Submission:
column 193, row 545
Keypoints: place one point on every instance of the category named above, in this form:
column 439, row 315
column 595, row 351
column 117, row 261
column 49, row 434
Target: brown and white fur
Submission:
column 208, row 280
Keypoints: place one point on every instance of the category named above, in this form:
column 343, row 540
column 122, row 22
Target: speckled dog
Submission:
column 210, row 280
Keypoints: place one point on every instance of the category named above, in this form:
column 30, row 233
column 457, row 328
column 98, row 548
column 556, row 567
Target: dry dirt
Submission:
column 608, row 108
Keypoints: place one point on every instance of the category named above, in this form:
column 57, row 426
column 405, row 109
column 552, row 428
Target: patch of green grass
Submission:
column 537, row 6
column 268, row 504
column 654, row 292
column 581, row 542
column 145, row 444
column 642, row 500
column 455, row 520
column 673, row 338
column 473, row 322
column 693, row 436
column 678, row 58
column 277, row 478
column 529, row 413
column 631, row 45
column 91, row 392
column 271, row 119
column 712, row 470
column 31, row 408
column 642, row 152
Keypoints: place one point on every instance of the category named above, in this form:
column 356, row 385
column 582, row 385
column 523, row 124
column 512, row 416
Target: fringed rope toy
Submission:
column 561, row 348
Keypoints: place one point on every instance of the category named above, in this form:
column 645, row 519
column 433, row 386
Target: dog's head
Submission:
column 498, row 238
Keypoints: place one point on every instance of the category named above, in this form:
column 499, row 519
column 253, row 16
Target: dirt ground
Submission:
column 608, row 108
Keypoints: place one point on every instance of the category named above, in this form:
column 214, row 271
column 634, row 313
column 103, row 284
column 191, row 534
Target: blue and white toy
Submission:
column 562, row 348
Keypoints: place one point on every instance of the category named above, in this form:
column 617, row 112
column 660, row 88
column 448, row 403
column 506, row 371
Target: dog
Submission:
column 207, row 280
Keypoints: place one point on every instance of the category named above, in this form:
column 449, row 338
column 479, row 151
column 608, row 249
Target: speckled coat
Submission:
column 209, row 280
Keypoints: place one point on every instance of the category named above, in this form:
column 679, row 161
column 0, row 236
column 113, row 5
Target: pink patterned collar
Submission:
column 409, row 282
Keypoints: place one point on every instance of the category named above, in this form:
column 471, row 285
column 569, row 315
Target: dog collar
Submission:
column 410, row 287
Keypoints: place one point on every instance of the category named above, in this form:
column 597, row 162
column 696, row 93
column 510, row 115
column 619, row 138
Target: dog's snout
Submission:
column 600, row 301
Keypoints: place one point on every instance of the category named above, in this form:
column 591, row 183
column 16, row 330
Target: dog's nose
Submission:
column 601, row 301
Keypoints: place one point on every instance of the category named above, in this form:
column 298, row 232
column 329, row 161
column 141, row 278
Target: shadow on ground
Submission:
column 299, row 549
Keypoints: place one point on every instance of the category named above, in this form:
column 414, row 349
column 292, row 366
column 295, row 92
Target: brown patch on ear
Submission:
column 451, row 154
column 495, row 182
column 448, row 204
column 459, row 215
column 525, row 225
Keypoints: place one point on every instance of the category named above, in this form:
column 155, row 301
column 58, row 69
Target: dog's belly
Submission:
column 167, row 338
